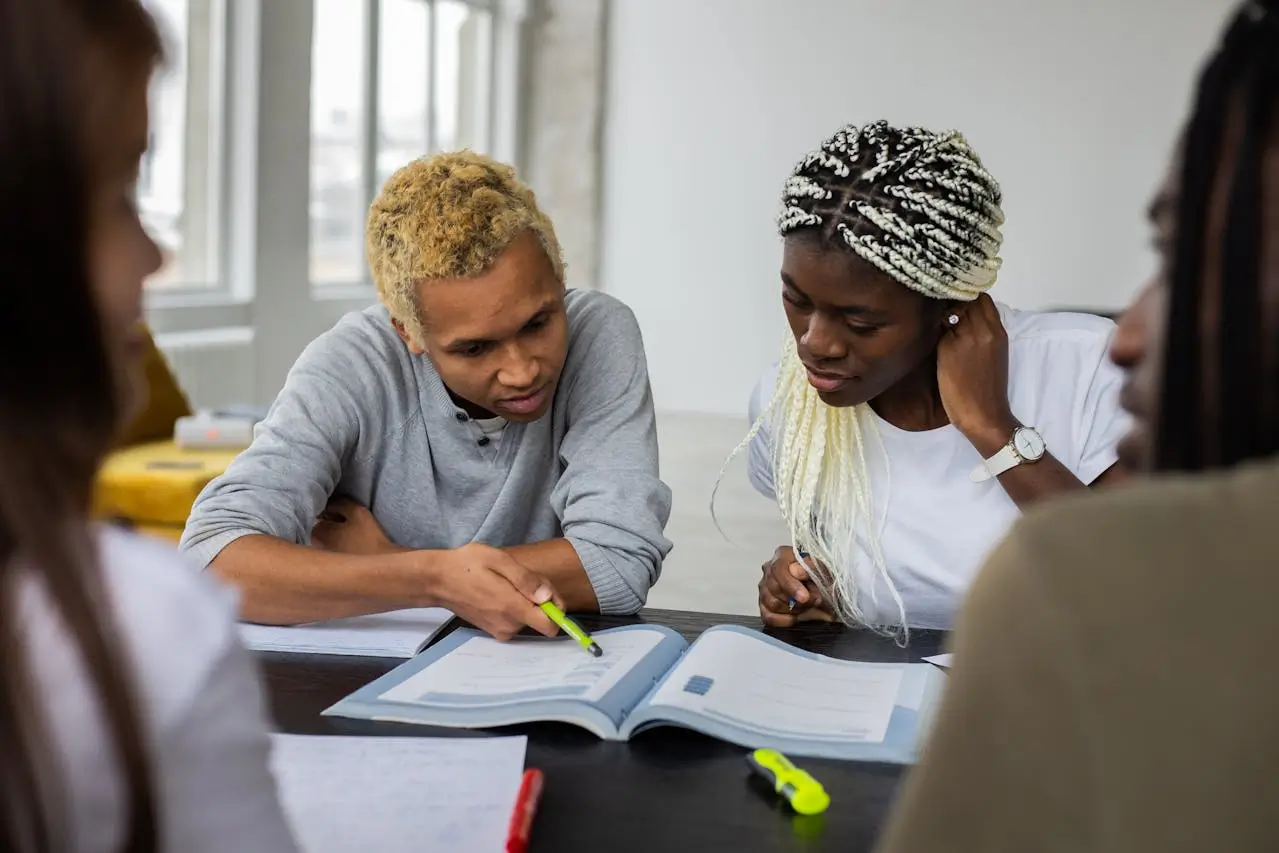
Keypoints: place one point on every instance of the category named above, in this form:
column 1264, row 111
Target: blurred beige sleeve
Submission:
column 1006, row 767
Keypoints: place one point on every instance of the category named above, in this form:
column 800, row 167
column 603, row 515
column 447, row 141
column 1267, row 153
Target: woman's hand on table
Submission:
column 785, row 580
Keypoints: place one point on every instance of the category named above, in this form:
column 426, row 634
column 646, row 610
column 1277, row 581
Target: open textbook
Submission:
column 397, row 634
column 732, row 683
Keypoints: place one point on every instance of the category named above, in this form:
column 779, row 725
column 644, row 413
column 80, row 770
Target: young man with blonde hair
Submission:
column 482, row 440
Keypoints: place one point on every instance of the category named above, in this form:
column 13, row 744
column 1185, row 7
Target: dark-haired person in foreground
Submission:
column 1113, row 688
column 131, row 719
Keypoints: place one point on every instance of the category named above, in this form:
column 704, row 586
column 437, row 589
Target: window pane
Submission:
column 338, row 184
column 403, row 80
column 463, row 37
column 179, row 184
column 412, row 119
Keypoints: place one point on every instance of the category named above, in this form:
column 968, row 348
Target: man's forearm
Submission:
column 282, row 583
column 557, row 561
column 554, row 559
column 351, row 530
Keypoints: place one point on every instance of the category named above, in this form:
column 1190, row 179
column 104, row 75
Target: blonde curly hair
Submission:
column 448, row 216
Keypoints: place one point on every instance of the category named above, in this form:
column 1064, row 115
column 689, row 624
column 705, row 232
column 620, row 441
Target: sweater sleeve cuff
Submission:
column 614, row 594
column 203, row 552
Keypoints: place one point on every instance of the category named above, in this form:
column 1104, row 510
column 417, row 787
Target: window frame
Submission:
column 264, row 185
column 371, row 113
column 206, row 98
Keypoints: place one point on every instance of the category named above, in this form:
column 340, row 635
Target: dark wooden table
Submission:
column 668, row 789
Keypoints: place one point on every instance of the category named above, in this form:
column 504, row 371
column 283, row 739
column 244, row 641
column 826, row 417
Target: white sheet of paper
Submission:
column 940, row 660
column 763, row 687
column 397, row 634
column 482, row 667
column 398, row 795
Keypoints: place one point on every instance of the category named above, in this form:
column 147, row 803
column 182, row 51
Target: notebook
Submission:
column 732, row 683
column 397, row 634
column 398, row 795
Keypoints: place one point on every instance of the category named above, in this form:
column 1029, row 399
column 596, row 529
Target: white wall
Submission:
column 1073, row 106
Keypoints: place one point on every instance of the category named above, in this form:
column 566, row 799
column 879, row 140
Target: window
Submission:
column 223, row 186
column 391, row 80
column 180, row 187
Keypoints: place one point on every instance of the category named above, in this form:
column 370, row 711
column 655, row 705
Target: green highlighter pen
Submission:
column 804, row 793
column 568, row 626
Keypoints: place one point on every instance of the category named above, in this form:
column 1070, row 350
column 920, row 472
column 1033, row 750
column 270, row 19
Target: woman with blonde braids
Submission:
column 911, row 417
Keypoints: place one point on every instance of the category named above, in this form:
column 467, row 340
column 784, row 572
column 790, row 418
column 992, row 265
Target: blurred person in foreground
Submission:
column 130, row 717
column 1111, row 689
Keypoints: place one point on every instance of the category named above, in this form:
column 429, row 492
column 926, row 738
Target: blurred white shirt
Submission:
column 199, row 694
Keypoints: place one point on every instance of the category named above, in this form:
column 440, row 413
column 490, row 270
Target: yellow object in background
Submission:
column 165, row 401
column 148, row 482
column 152, row 486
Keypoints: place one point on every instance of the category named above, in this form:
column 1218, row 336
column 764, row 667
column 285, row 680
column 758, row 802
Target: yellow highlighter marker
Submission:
column 805, row 795
column 568, row 626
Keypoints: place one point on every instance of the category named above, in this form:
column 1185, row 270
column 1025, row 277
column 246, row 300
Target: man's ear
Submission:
column 414, row 347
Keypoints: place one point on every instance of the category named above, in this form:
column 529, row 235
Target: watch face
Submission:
column 1029, row 444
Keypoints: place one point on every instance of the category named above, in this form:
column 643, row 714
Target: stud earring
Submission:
column 953, row 319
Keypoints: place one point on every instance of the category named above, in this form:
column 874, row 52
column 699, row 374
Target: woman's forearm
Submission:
column 1030, row 481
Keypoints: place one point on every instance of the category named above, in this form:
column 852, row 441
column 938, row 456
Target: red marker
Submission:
column 525, row 809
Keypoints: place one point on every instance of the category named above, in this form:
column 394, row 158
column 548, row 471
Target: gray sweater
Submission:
column 361, row 416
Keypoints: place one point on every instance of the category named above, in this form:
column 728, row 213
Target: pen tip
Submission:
column 595, row 650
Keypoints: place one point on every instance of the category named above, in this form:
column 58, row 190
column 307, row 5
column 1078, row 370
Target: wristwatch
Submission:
column 1027, row 446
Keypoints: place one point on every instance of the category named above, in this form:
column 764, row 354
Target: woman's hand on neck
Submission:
column 972, row 375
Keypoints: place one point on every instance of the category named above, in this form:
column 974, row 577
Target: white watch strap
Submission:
column 1002, row 461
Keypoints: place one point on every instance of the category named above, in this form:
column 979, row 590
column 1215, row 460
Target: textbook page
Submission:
column 397, row 634
column 398, row 795
column 747, row 681
column 483, row 671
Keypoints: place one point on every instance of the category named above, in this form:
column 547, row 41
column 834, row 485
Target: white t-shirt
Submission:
column 200, row 697
column 939, row 525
